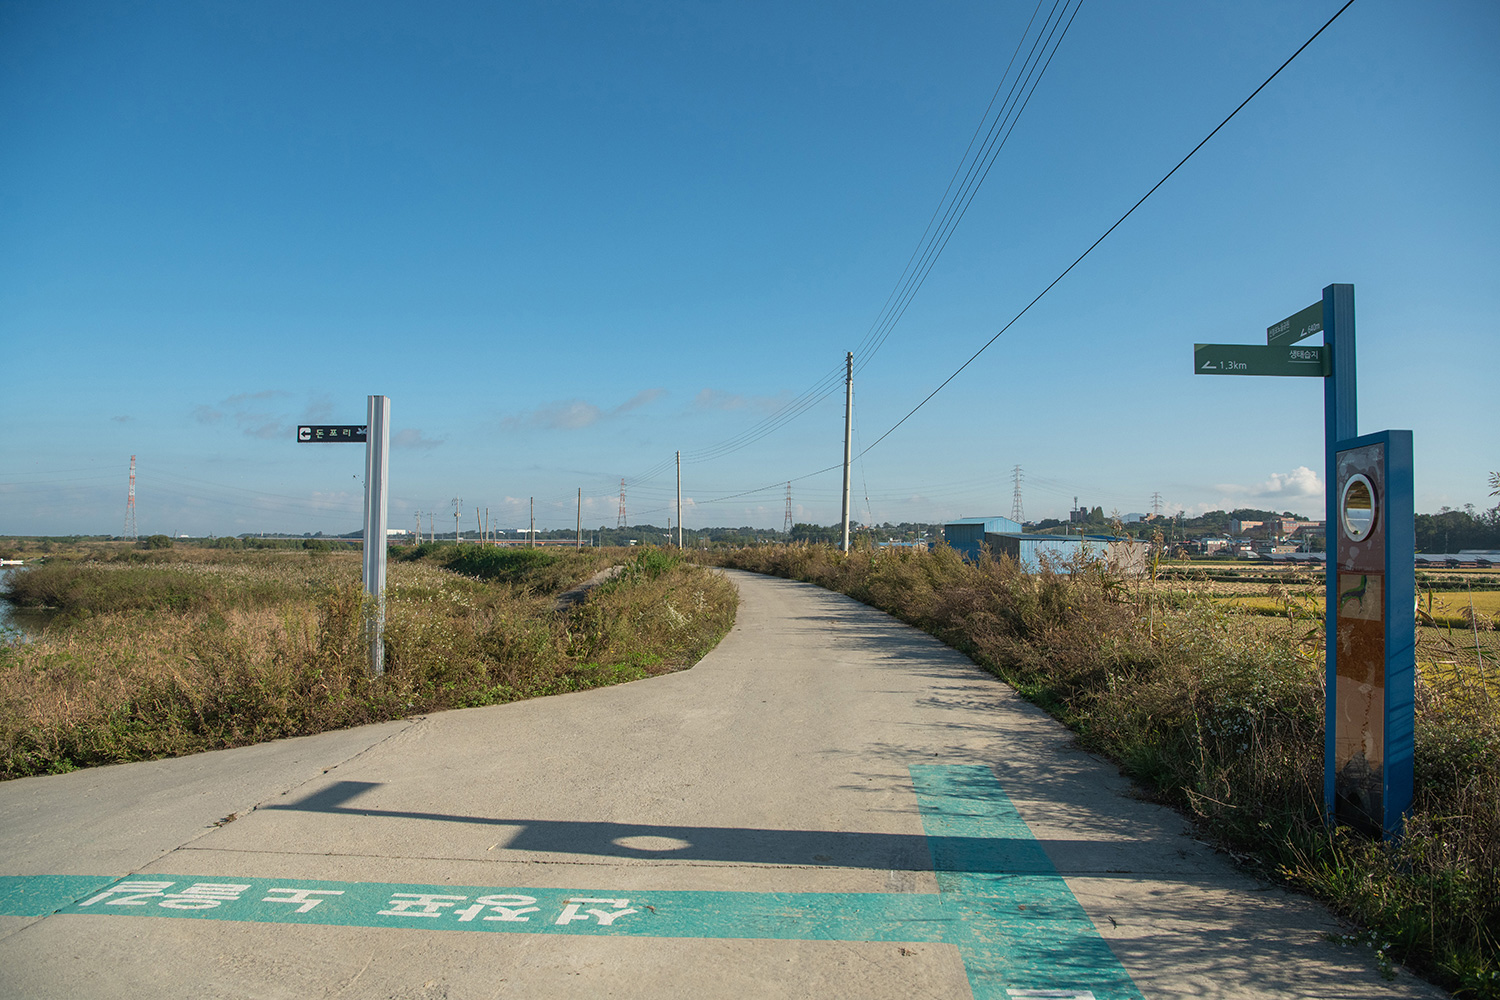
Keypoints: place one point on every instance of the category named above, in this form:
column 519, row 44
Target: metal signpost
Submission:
column 1370, row 584
column 1297, row 327
column 331, row 433
column 376, row 437
column 1251, row 359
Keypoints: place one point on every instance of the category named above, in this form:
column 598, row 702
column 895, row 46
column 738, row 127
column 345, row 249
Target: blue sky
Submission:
column 570, row 239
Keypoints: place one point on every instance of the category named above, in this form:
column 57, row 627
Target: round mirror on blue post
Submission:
column 1357, row 508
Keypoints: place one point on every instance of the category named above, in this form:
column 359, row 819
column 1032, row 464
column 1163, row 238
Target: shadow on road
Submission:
column 817, row 848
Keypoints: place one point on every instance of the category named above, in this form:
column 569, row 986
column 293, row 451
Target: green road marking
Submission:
column 1013, row 919
column 42, row 895
column 1022, row 928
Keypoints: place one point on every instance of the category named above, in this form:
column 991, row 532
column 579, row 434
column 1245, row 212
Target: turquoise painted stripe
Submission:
column 39, row 895
column 987, row 858
column 909, row 917
column 1002, row 904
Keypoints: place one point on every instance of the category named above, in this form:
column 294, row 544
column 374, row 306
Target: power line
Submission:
column 1112, row 228
column 1066, row 271
column 932, row 242
column 999, row 133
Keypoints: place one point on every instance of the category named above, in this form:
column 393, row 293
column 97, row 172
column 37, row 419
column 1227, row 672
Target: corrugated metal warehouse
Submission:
column 967, row 533
column 1124, row 556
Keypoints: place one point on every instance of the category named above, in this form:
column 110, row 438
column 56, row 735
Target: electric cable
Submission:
column 1111, row 229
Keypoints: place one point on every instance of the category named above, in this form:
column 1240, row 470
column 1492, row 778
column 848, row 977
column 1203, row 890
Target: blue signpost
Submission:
column 1370, row 586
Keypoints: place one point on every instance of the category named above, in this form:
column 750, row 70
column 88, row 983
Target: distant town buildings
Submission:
column 970, row 535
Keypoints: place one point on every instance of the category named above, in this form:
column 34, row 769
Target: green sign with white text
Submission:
column 1252, row 359
column 1295, row 328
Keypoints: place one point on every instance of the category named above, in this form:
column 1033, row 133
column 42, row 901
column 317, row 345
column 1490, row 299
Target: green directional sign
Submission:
column 1298, row 327
column 1252, row 359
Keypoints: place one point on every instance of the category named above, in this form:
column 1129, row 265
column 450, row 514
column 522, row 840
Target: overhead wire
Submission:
column 1000, row 131
column 901, row 281
column 911, row 285
column 1118, row 222
column 1078, row 260
column 932, row 242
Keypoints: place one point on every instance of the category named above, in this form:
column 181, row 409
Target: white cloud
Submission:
column 255, row 422
column 244, row 397
column 575, row 414
column 258, row 426
column 714, row 399
column 319, row 409
column 1300, row 483
column 411, row 437
column 638, row 400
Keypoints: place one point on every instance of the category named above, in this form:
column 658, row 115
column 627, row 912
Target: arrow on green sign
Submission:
column 1294, row 328
column 1252, row 359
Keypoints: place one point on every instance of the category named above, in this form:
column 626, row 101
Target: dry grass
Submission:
column 274, row 645
column 1221, row 713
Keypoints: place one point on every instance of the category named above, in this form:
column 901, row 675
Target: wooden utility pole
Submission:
column 578, row 542
column 532, row 543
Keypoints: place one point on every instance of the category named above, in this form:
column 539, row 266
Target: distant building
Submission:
column 1238, row 527
column 1476, row 558
column 1285, row 527
column 967, row 533
column 1031, row 552
column 1269, row 546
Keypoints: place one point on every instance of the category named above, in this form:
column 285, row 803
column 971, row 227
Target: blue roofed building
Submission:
column 969, row 535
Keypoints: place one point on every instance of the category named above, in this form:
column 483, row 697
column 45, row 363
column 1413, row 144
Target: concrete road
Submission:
column 831, row 804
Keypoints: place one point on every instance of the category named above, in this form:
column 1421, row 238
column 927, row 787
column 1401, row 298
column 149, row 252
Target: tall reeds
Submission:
column 1221, row 714
column 225, row 649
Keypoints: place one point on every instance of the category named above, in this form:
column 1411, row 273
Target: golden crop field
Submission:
column 1444, row 604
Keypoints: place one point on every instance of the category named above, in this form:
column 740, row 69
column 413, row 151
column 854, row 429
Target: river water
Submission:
column 14, row 620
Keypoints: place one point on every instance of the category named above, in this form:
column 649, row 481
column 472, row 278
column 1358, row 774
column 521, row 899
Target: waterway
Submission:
column 17, row 623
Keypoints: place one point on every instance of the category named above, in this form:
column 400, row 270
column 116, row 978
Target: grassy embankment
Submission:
column 155, row 654
column 1221, row 713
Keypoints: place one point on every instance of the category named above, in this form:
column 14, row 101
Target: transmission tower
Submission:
column 620, row 521
column 1016, row 513
column 130, row 534
column 1156, row 504
column 788, row 526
